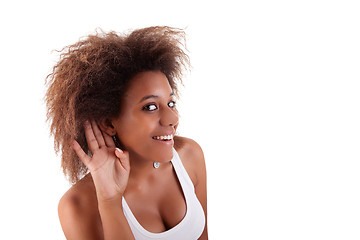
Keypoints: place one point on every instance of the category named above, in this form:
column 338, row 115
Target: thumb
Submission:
column 123, row 157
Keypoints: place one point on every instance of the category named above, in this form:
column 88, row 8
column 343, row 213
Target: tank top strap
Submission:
column 182, row 174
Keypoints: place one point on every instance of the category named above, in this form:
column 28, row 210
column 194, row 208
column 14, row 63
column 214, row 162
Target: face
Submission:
column 148, row 119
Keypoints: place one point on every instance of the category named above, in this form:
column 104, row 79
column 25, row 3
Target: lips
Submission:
column 164, row 137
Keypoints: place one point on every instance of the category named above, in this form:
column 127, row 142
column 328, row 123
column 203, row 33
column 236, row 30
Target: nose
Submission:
column 169, row 117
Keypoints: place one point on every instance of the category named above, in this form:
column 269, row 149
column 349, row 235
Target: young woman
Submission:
column 111, row 102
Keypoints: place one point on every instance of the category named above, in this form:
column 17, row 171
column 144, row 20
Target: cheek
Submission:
column 134, row 132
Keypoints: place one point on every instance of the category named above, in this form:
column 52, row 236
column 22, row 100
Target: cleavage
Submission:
column 158, row 205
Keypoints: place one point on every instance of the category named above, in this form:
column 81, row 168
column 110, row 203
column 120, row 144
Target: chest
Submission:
column 158, row 206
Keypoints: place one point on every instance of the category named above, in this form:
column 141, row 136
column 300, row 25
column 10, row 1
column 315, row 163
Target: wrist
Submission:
column 110, row 201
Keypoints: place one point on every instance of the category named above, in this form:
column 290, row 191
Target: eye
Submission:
column 172, row 104
column 150, row 107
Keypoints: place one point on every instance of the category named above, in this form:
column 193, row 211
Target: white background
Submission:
column 273, row 98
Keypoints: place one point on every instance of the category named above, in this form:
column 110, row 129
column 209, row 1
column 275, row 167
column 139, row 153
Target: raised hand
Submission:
column 109, row 166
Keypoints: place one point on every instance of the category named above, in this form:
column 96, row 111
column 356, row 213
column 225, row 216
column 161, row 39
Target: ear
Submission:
column 107, row 127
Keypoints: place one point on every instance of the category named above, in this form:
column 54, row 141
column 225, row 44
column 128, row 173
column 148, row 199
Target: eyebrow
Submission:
column 153, row 96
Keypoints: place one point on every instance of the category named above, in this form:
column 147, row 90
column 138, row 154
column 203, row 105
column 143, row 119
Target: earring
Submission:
column 115, row 141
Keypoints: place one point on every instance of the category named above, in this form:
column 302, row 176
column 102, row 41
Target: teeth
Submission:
column 166, row 137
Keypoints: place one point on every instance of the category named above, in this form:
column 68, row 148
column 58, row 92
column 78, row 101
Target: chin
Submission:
column 163, row 155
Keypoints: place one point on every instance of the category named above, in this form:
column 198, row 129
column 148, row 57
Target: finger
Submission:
column 124, row 158
column 90, row 137
column 109, row 141
column 80, row 152
column 98, row 134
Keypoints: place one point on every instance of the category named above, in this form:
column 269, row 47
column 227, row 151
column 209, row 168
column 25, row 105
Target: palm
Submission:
column 108, row 166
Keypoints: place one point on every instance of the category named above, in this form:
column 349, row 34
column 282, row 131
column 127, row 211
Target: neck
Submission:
column 142, row 168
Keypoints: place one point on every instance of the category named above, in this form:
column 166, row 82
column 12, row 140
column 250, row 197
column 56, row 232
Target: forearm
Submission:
column 115, row 225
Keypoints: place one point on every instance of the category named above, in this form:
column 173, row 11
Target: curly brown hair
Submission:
column 91, row 76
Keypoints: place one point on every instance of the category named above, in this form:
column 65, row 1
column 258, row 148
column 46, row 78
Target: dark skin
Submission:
column 154, row 195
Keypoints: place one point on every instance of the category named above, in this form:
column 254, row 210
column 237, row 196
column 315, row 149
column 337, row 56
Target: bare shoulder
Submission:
column 78, row 211
column 191, row 156
column 189, row 149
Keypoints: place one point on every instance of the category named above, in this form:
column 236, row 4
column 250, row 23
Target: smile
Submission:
column 163, row 138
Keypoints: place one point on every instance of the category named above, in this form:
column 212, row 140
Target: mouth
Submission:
column 165, row 138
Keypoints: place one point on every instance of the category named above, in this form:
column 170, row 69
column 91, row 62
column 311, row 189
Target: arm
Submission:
column 200, row 187
column 114, row 223
column 109, row 168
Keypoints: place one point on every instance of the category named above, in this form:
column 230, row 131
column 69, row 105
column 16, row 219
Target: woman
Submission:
column 111, row 104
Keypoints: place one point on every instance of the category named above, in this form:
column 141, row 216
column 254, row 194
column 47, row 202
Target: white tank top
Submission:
column 190, row 227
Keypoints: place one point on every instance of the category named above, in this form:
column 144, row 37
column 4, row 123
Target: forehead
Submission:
column 148, row 83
